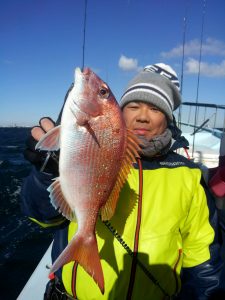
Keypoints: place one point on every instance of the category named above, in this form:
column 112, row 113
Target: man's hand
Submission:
column 45, row 124
column 36, row 157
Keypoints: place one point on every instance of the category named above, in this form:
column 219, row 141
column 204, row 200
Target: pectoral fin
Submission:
column 50, row 141
column 58, row 200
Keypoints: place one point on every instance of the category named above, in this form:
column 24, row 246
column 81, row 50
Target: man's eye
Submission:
column 154, row 109
column 133, row 106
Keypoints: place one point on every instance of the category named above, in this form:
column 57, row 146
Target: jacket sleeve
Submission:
column 204, row 281
column 36, row 202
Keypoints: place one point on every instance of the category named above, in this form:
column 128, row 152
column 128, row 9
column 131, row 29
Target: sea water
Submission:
column 22, row 243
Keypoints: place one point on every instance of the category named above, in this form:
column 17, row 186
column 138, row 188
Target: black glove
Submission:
column 42, row 160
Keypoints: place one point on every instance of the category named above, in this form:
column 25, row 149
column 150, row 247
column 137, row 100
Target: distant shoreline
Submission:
column 15, row 126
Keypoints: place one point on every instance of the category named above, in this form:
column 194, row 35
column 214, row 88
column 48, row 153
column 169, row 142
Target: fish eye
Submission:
column 104, row 92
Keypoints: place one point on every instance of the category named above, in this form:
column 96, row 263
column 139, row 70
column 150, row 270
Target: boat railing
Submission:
column 203, row 132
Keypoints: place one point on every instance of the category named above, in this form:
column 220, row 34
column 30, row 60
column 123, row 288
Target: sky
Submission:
column 42, row 42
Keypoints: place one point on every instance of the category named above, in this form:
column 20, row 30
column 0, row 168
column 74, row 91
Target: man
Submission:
column 151, row 240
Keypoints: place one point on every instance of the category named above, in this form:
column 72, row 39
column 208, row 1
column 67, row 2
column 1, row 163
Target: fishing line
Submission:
column 50, row 153
column 182, row 64
column 132, row 254
column 83, row 60
column 183, row 47
column 199, row 71
column 84, row 33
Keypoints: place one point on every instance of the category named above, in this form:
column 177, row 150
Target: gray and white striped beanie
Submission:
column 156, row 84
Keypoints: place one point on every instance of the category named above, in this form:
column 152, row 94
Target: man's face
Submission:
column 144, row 119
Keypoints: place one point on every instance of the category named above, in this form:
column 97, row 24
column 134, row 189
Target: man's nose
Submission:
column 143, row 116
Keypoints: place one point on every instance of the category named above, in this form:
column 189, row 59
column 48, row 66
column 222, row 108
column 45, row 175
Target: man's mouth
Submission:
column 140, row 131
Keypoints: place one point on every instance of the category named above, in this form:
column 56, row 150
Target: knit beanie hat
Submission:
column 158, row 85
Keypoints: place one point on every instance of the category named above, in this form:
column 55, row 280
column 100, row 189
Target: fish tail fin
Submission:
column 85, row 252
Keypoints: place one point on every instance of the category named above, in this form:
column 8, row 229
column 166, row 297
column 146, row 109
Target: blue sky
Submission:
column 42, row 44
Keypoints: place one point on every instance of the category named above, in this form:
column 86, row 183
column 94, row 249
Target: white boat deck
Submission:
column 206, row 146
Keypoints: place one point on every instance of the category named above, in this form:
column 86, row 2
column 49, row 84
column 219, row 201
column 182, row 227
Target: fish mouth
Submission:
column 83, row 106
column 82, row 72
column 86, row 71
column 78, row 73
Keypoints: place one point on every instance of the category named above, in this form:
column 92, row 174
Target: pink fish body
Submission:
column 96, row 152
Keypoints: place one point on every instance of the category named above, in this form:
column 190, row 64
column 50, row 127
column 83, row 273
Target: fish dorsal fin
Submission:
column 58, row 200
column 131, row 153
column 50, row 141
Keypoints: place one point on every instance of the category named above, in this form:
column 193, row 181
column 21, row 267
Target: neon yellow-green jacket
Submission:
column 167, row 224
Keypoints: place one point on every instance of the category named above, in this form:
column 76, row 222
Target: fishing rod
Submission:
column 199, row 71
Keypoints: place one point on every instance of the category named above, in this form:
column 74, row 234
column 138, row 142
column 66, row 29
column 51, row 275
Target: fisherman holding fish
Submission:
column 135, row 219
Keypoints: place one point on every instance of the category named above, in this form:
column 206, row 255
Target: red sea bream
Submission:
column 96, row 153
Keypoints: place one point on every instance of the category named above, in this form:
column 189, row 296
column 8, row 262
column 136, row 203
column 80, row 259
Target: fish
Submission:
column 96, row 154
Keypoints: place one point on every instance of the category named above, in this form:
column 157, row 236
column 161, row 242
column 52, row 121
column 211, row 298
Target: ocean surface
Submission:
column 22, row 243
